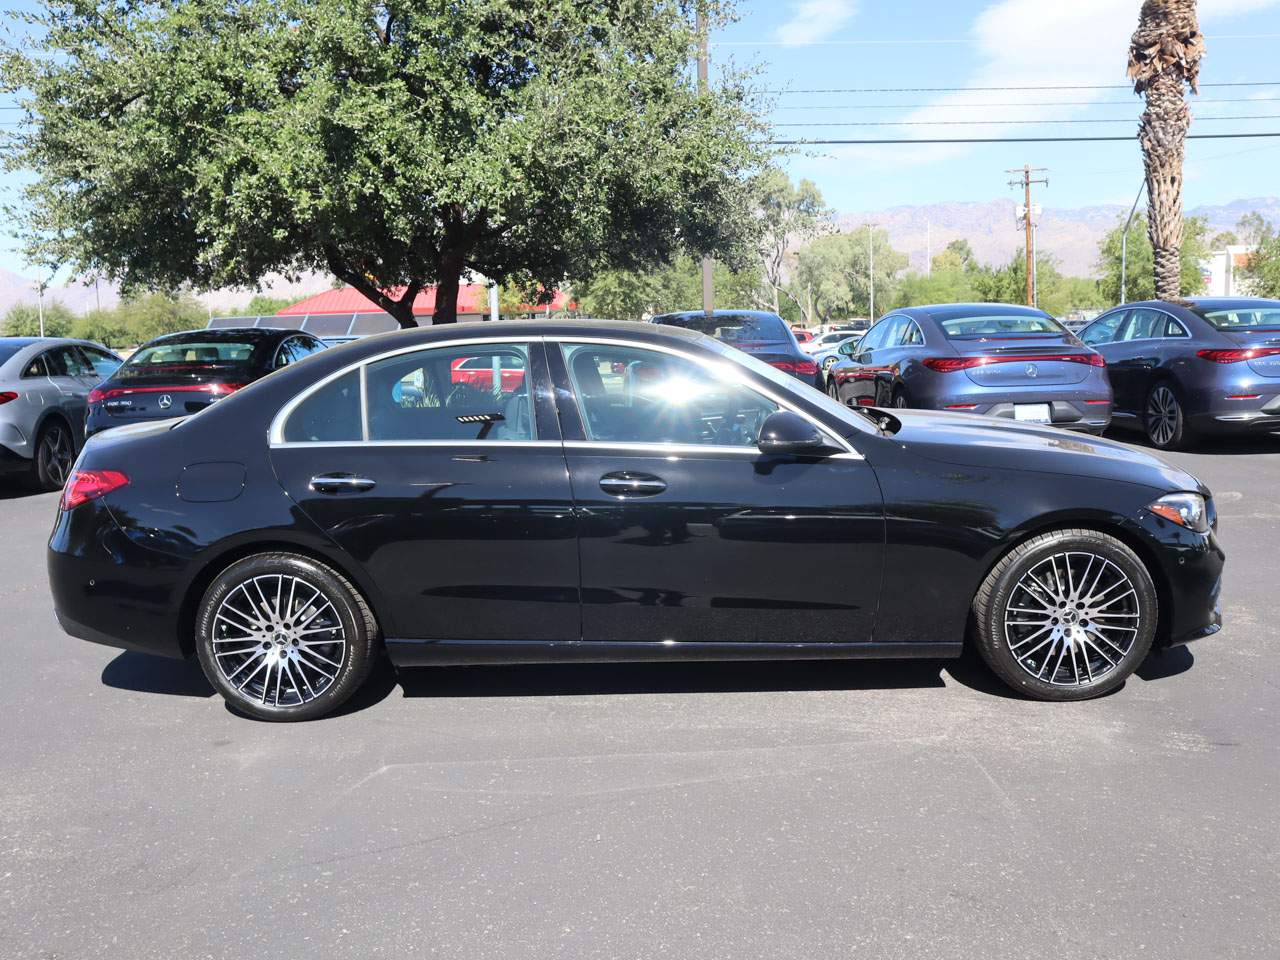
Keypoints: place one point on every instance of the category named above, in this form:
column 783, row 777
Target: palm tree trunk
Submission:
column 1165, row 54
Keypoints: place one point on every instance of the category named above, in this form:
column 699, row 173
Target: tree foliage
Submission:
column 1262, row 272
column 632, row 295
column 134, row 321
column 23, row 320
column 394, row 145
column 790, row 215
column 1140, row 277
column 833, row 275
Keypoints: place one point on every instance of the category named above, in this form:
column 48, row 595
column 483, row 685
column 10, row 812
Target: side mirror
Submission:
column 788, row 434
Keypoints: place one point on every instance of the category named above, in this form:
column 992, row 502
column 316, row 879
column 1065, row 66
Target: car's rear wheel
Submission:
column 1068, row 615
column 1164, row 418
column 55, row 455
column 283, row 637
column 833, row 389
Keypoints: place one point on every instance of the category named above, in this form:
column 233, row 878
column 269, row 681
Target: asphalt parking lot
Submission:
column 801, row 810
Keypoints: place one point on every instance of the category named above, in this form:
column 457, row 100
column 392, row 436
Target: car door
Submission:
column 454, row 499
column 880, row 358
column 1101, row 335
column 687, row 532
column 1133, row 356
column 70, row 375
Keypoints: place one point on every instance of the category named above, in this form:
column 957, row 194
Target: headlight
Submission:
column 1185, row 509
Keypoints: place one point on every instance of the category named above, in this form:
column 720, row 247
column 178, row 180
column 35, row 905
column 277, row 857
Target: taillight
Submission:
column 1235, row 356
column 97, row 394
column 801, row 368
column 7, row 395
column 962, row 406
column 86, row 485
column 952, row 364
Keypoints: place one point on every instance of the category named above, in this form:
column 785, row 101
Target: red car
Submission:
column 802, row 336
column 478, row 372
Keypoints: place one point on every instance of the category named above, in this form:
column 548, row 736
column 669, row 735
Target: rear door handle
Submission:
column 624, row 483
column 341, row 483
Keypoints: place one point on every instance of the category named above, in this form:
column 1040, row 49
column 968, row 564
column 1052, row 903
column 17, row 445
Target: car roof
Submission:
column 226, row 335
column 714, row 313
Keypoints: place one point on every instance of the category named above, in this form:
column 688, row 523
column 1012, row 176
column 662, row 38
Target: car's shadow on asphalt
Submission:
column 1226, row 446
column 21, row 489
column 144, row 673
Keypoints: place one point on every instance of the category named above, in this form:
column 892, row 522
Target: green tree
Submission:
column 394, row 145
column 832, row 277
column 23, row 320
column 1140, row 283
column 1262, row 271
column 631, row 295
column 263, row 305
column 790, row 215
column 1251, row 227
column 107, row 327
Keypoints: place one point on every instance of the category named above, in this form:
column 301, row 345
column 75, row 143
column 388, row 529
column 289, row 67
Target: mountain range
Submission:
column 1069, row 234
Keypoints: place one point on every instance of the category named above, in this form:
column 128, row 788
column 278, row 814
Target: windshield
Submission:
column 187, row 356
column 734, row 328
column 1017, row 324
column 1245, row 318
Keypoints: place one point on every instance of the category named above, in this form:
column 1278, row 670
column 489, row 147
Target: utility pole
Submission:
column 871, row 271
column 928, row 248
column 708, row 290
column 1025, row 179
column 40, row 304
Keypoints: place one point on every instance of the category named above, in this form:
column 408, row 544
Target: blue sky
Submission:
column 840, row 44
column 799, row 45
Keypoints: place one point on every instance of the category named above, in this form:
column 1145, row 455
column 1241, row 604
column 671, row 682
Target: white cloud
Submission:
column 813, row 20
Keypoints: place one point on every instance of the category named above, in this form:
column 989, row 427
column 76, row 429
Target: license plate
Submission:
column 1032, row 412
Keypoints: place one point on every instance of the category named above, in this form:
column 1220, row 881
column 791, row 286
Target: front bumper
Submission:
column 1191, row 565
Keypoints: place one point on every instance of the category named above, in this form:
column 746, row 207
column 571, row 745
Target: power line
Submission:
column 1009, row 103
column 970, row 123
column 1066, row 86
column 1190, row 136
column 916, row 42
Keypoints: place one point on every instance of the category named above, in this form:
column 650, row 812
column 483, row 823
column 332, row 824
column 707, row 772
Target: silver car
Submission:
column 44, row 383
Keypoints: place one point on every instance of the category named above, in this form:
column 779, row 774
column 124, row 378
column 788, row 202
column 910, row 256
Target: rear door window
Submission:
column 1144, row 325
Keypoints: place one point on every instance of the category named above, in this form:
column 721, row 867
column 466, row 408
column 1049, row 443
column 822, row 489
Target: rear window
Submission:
column 1000, row 326
column 7, row 350
column 190, row 355
column 734, row 328
column 1251, row 318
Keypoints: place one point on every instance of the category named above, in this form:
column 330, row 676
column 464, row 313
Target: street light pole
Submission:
column 1124, row 244
column 708, row 289
column 40, row 304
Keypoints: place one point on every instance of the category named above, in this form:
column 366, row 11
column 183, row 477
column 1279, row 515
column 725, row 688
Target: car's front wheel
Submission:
column 283, row 637
column 1067, row 615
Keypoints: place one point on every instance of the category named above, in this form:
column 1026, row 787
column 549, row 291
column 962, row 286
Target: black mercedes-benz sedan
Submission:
column 182, row 373
column 614, row 491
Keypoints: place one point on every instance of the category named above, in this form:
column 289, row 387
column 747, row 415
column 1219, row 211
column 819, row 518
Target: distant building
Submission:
column 1223, row 271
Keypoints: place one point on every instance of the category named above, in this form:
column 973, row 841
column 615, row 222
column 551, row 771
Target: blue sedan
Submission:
column 995, row 359
column 1200, row 367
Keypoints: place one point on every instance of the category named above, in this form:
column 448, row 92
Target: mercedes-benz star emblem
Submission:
column 1033, row 370
column 166, row 401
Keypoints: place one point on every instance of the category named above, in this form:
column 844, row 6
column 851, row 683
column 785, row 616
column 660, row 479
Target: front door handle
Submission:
column 624, row 483
column 341, row 483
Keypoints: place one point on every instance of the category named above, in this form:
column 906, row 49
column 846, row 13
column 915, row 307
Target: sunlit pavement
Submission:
column 778, row 810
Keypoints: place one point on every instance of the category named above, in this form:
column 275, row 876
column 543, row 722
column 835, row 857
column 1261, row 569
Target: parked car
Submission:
column 985, row 358
column 44, row 383
column 843, row 348
column 802, row 336
column 182, row 373
column 1209, row 366
column 764, row 336
column 829, row 340
column 699, row 505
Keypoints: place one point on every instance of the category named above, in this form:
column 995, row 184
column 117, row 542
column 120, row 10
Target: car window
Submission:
column 877, row 335
column 1143, row 324
column 734, row 328
column 1103, row 330
column 67, row 362
column 36, row 368
column 477, row 392
column 912, row 335
column 104, row 364
column 1001, row 325
column 1174, row 329
column 1249, row 317
column 330, row 414
column 166, row 357
column 891, row 335
column 633, row 395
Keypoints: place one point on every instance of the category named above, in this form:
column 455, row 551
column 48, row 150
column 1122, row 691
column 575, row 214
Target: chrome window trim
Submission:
column 724, row 368
column 310, row 444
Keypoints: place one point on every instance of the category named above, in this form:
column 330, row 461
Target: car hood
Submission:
column 974, row 441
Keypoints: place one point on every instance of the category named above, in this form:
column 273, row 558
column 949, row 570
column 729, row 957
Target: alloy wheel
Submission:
column 1163, row 414
column 278, row 640
column 57, row 454
column 1072, row 618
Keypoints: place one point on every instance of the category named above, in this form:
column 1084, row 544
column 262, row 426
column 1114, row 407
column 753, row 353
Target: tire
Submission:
column 1030, row 636
column 1163, row 418
column 833, row 390
column 254, row 645
column 55, row 455
column 900, row 400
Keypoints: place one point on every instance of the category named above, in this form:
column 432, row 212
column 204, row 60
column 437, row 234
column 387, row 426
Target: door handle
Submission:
column 341, row 483
column 624, row 483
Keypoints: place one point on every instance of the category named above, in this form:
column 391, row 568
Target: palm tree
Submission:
column 1164, row 54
